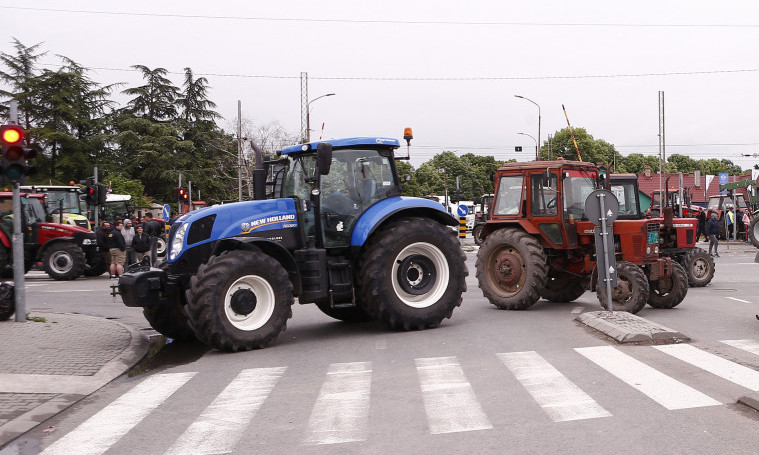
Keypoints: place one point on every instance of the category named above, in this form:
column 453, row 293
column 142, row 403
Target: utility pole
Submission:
column 662, row 153
column 239, row 151
column 303, row 106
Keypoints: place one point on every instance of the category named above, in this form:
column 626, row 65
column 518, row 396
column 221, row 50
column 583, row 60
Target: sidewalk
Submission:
column 48, row 364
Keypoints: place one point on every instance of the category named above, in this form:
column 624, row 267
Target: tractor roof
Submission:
column 372, row 142
column 541, row 165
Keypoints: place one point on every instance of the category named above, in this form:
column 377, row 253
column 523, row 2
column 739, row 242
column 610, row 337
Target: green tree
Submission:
column 637, row 162
column 156, row 99
column 193, row 102
column 681, row 163
column 591, row 149
column 19, row 76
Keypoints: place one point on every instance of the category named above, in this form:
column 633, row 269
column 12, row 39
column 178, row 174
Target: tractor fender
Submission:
column 41, row 250
column 268, row 247
column 397, row 207
column 4, row 238
column 494, row 225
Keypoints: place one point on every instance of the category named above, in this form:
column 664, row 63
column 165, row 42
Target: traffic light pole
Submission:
column 19, row 281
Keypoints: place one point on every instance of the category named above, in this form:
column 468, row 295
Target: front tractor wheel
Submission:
column 631, row 292
column 699, row 267
column 668, row 292
column 64, row 261
column 239, row 300
column 511, row 269
column 412, row 274
column 477, row 233
column 564, row 287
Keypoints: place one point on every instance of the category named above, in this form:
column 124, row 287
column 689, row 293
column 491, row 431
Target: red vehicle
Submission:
column 539, row 243
column 67, row 251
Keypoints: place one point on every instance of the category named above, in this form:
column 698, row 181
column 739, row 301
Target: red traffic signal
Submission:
column 14, row 154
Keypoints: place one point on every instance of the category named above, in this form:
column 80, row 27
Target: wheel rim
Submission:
column 755, row 230
column 420, row 275
column 160, row 245
column 508, row 275
column 700, row 268
column 61, row 262
column 249, row 302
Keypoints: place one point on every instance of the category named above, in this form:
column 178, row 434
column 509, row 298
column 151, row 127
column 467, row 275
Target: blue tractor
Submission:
column 329, row 226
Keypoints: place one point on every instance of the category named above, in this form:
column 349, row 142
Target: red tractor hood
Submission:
column 62, row 229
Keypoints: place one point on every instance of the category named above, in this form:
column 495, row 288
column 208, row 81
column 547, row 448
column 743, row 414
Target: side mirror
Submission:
column 323, row 157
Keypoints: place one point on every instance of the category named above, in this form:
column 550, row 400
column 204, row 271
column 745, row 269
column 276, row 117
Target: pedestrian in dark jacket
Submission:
column 152, row 227
column 712, row 231
column 101, row 238
column 140, row 243
column 701, row 227
column 117, row 248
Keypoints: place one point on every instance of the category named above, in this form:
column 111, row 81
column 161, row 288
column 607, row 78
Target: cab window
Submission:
column 544, row 195
column 509, row 197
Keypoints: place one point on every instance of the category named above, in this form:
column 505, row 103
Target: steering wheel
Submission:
column 552, row 203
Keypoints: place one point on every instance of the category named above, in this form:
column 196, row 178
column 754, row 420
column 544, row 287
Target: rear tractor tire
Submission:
column 511, row 269
column 412, row 274
column 477, row 233
column 239, row 300
column 631, row 292
column 699, row 267
column 64, row 261
column 669, row 291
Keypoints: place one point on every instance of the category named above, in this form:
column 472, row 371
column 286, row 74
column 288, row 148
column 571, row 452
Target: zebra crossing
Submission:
column 341, row 413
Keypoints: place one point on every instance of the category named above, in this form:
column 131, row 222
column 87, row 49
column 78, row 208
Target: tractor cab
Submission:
column 358, row 175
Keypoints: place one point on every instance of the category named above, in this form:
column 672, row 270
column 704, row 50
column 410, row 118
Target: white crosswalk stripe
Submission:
column 101, row 431
column 449, row 399
column 666, row 391
column 341, row 411
column 745, row 345
column 223, row 422
column 556, row 394
column 714, row 364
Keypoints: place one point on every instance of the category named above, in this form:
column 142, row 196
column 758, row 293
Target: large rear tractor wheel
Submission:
column 7, row 302
column 412, row 274
column 64, row 261
column 347, row 314
column 511, row 269
column 565, row 287
column 239, row 300
column 631, row 292
column 670, row 291
column 477, row 233
column 699, row 267
column 753, row 230
column 6, row 263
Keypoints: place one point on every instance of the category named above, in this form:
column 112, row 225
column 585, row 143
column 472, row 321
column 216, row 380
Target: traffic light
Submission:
column 15, row 155
column 182, row 195
column 95, row 194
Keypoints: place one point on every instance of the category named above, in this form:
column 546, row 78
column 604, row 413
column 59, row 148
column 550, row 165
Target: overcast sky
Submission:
column 448, row 69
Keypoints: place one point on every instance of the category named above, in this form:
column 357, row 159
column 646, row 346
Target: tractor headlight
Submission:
column 648, row 250
column 177, row 242
column 88, row 242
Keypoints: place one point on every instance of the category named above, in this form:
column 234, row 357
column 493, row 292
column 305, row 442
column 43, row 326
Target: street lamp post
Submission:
column 537, row 150
column 308, row 115
column 536, row 143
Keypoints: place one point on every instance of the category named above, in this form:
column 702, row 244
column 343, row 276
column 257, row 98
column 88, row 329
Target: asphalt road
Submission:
column 486, row 381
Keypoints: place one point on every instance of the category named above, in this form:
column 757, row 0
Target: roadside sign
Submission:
column 602, row 208
column 166, row 212
column 463, row 210
column 723, row 179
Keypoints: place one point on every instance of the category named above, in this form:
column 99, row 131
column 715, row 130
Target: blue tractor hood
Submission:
column 247, row 218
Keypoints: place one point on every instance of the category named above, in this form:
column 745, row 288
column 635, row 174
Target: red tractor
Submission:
column 539, row 243
column 67, row 251
column 677, row 236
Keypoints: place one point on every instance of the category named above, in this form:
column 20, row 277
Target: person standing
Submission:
column 117, row 248
column 140, row 243
column 152, row 227
column 746, row 223
column 730, row 215
column 701, row 227
column 128, row 233
column 101, row 238
column 712, row 231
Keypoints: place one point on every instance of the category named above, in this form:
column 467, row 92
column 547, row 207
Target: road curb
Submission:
column 751, row 400
column 629, row 328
